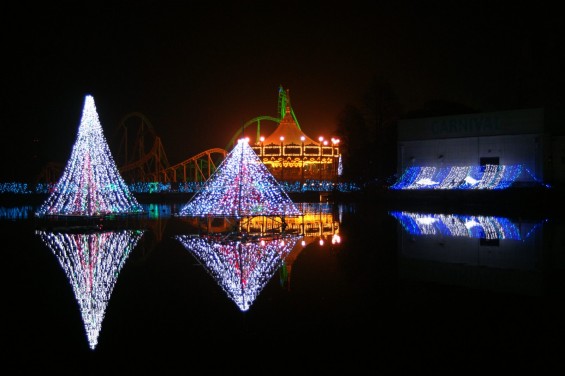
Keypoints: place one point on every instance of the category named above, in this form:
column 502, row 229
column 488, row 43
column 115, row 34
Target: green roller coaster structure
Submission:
column 282, row 102
column 141, row 155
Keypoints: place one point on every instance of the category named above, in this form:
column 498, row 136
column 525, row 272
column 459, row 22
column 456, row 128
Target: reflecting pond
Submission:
column 349, row 286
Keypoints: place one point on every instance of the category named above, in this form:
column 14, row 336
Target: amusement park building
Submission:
column 291, row 155
column 531, row 138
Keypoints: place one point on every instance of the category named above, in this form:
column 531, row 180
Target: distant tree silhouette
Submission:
column 353, row 132
column 382, row 111
column 369, row 134
column 538, row 77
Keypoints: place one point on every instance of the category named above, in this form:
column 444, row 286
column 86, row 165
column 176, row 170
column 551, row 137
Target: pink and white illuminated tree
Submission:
column 242, row 186
column 91, row 184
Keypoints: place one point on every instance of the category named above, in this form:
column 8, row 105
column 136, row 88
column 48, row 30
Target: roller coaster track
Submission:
column 196, row 169
column 151, row 164
column 241, row 132
column 142, row 158
column 282, row 102
column 140, row 155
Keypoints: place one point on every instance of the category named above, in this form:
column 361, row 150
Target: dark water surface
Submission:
column 388, row 297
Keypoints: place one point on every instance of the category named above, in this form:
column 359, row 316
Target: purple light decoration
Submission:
column 91, row 184
column 92, row 262
column 241, row 268
column 242, row 186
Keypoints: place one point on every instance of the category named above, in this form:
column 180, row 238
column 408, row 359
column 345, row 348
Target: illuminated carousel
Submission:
column 291, row 155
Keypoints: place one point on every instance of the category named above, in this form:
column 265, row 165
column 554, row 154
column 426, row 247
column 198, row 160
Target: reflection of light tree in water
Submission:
column 241, row 268
column 92, row 262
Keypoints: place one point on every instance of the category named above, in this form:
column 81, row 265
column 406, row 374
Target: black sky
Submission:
column 199, row 70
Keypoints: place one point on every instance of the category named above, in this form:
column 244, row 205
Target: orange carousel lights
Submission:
column 291, row 155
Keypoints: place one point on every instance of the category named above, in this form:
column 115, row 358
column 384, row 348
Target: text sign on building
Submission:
column 472, row 125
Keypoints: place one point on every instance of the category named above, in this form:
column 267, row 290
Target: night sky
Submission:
column 199, row 70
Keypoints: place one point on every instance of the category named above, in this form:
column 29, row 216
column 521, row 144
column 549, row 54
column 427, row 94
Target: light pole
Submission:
column 335, row 143
column 302, row 138
column 321, row 139
column 282, row 159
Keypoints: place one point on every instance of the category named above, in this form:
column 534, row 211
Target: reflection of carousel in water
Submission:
column 242, row 266
column 242, row 262
column 92, row 262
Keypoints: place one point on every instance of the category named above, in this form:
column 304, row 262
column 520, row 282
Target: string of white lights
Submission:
column 452, row 225
column 241, row 268
column 92, row 263
column 241, row 186
column 459, row 177
column 91, row 184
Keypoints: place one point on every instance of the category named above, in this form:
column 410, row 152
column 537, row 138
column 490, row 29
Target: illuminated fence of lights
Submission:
column 16, row 188
column 241, row 186
column 188, row 187
column 460, row 177
column 241, row 268
column 92, row 263
column 91, row 184
column 470, row 226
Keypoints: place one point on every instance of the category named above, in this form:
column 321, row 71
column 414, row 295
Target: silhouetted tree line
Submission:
column 534, row 78
column 369, row 133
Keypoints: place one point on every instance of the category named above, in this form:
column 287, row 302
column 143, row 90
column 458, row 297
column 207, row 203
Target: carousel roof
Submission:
column 289, row 130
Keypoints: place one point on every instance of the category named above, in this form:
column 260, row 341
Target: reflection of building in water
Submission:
column 317, row 220
column 92, row 262
column 471, row 226
column 242, row 266
column 319, row 223
column 17, row 212
column 473, row 251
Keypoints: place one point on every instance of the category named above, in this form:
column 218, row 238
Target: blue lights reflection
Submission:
column 16, row 212
column 454, row 225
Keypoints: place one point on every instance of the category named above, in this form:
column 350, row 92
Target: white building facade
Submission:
column 519, row 137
